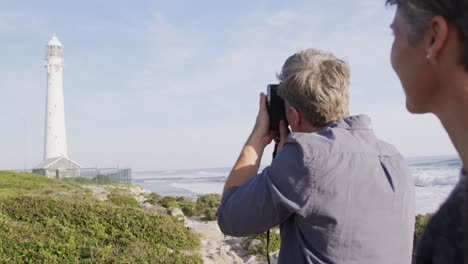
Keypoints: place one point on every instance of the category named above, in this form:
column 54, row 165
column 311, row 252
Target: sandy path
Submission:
column 218, row 248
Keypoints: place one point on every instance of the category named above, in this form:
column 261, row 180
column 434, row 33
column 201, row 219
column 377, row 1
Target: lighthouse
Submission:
column 55, row 144
column 56, row 163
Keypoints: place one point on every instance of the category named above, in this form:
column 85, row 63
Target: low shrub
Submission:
column 211, row 200
column 153, row 198
column 80, row 180
column 169, row 202
column 46, row 230
column 122, row 200
column 190, row 209
column 205, row 206
column 419, row 225
column 275, row 242
column 183, row 199
column 12, row 183
column 209, row 214
column 98, row 179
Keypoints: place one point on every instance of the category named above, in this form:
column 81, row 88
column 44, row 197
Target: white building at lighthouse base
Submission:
column 58, row 168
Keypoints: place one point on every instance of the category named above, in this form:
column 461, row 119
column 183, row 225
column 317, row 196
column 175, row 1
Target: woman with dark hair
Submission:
column 430, row 56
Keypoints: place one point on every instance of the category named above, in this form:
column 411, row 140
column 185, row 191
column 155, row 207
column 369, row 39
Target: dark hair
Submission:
column 419, row 12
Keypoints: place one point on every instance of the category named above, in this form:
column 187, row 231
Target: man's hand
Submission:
column 261, row 135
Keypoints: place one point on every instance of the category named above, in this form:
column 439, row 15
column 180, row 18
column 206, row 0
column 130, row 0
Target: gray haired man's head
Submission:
column 317, row 84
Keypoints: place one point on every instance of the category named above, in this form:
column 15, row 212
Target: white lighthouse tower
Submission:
column 56, row 163
column 55, row 136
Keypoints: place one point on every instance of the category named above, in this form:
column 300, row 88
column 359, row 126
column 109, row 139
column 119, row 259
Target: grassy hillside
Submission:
column 31, row 184
column 52, row 221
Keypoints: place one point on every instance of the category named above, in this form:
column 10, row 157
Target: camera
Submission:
column 275, row 106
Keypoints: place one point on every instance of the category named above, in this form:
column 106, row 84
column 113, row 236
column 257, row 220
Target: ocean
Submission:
column 434, row 177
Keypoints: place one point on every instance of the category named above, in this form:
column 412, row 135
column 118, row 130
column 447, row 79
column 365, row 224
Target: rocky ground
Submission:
column 216, row 247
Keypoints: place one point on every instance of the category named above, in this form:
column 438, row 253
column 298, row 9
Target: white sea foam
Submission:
column 201, row 188
column 156, row 180
column 435, row 177
column 429, row 199
column 211, row 174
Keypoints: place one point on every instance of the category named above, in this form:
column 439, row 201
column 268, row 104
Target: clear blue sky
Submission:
column 175, row 84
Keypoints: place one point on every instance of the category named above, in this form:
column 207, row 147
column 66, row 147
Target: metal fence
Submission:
column 111, row 174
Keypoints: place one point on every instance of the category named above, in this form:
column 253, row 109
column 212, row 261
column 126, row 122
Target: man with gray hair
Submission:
column 339, row 194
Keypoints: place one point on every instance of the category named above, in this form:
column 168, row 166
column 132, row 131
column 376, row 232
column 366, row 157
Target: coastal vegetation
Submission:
column 420, row 222
column 122, row 200
column 261, row 249
column 99, row 179
column 45, row 220
column 52, row 221
column 205, row 205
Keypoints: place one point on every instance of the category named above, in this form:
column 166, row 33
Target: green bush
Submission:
column 183, row 199
column 205, row 206
column 46, row 230
column 153, row 198
column 99, row 179
column 12, row 183
column 122, row 200
column 72, row 227
column 419, row 225
column 212, row 200
column 168, row 202
column 190, row 209
column 275, row 242
column 209, row 214
column 46, row 220
column 80, row 180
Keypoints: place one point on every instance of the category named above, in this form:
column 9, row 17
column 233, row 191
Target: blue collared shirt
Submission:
column 340, row 195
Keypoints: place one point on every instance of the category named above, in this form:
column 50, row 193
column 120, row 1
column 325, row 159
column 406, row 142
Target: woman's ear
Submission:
column 436, row 38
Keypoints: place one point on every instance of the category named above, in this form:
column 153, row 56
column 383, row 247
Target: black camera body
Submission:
column 275, row 106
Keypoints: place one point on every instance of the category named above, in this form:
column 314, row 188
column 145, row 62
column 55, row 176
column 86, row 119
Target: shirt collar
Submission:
column 352, row 123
